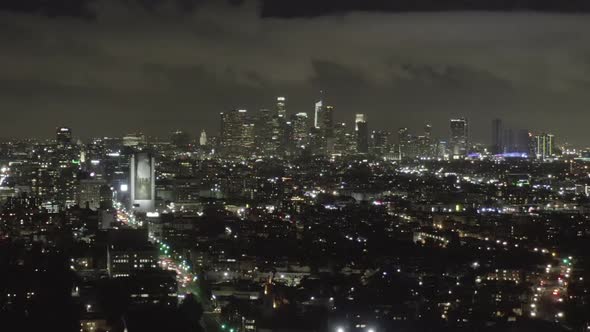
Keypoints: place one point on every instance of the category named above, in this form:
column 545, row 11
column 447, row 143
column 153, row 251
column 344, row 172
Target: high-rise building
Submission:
column 408, row 146
column 324, row 123
column 362, row 137
column 142, row 182
column 63, row 135
column 543, row 145
column 318, row 110
column 340, row 139
column 203, row 138
column 300, row 129
column 235, row 127
column 441, row 150
column 426, row 149
column 281, row 108
column 359, row 117
column 380, row 143
column 267, row 132
column 459, row 138
column 497, row 136
column 248, row 138
column 428, row 131
column 327, row 117
column 287, row 146
column 405, row 143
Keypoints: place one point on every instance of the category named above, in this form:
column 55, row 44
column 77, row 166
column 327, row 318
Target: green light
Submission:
column 565, row 260
column 223, row 326
column 231, row 330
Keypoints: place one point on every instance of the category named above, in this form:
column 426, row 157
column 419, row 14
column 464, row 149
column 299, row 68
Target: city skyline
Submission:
column 400, row 68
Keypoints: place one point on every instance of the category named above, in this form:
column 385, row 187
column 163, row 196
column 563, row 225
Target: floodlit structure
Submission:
column 142, row 181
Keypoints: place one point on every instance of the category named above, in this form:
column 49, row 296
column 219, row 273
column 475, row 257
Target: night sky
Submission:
column 109, row 67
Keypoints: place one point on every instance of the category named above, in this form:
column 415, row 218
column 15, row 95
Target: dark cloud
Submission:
column 52, row 8
column 314, row 8
column 301, row 8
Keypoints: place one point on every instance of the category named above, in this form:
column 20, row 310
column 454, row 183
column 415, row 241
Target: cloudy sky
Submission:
column 108, row 67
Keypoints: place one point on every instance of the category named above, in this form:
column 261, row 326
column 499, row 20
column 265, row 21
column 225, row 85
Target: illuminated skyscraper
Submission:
column 300, row 129
column 459, row 138
column 234, row 131
column 248, row 139
column 428, row 132
column 142, row 182
column 63, row 135
column 203, row 138
column 362, row 137
column 340, row 139
column 318, row 110
column 359, row 117
column 281, row 108
column 426, row 149
column 379, row 143
column 327, row 121
column 267, row 132
column 543, row 145
column 408, row 146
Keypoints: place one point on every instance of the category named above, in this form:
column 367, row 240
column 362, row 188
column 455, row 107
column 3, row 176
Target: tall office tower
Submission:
column 497, row 136
column 426, row 149
column 549, row 145
column 379, row 143
column 203, row 138
column 359, row 117
column 180, row 139
column 316, row 142
column 441, row 150
column 248, row 139
column 282, row 108
column 340, row 139
column 428, row 132
column 324, row 123
column 267, row 134
column 318, row 110
column 63, row 135
column 362, row 137
column 404, row 143
column 300, row 129
column 327, row 121
column 142, row 182
column 543, row 145
column 459, row 138
column 233, row 125
column 287, row 146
